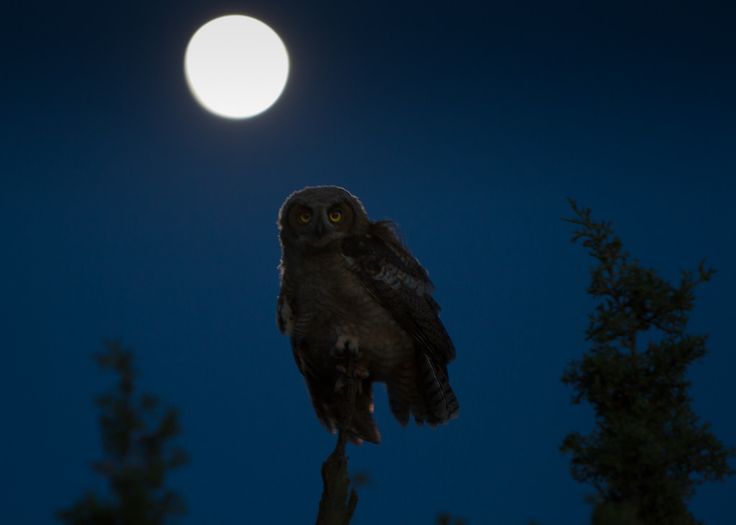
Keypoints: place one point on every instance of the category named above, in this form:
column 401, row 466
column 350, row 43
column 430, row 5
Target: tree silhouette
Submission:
column 136, row 437
column 648, row 450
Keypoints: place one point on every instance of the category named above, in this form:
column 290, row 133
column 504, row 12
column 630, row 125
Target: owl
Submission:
column 349, row 286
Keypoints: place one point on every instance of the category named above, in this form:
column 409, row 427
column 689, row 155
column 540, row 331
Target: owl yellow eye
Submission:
column 335, row 216
column 304, row 217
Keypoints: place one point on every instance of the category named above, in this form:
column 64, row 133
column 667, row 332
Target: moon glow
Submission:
column 236, row 66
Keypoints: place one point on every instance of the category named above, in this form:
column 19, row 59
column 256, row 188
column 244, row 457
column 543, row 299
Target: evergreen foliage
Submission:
column 648, row 450
column 136, row 437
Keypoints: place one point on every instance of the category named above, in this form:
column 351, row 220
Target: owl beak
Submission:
column 319, row 229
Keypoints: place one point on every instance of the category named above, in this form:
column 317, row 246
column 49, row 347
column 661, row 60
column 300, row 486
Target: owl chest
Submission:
column 342, row 307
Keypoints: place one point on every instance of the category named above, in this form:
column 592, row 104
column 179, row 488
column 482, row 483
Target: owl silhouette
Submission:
column 349, row 286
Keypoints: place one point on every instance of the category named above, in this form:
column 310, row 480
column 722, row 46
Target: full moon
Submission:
column 236, row 66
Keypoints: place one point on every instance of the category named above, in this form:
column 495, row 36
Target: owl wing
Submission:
column 401, row 285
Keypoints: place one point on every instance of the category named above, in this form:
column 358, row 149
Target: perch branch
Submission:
column 338, row 502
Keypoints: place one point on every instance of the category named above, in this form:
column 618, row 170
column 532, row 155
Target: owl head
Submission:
column 317, row 216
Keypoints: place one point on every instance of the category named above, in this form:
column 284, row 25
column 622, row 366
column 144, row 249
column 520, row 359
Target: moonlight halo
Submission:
column 236, row 66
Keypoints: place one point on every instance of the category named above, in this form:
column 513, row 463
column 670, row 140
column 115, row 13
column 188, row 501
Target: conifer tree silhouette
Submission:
column 648, row 450
column 136, row 437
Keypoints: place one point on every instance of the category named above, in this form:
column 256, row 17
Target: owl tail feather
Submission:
column 421, row 388
column 361, row 426
column 435, row 393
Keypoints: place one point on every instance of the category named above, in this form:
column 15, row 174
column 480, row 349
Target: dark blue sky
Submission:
column 128, row 211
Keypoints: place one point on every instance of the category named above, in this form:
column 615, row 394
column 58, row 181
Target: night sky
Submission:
column 127, row 211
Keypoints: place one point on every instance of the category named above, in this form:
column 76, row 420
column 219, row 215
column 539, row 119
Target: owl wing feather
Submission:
column 402, row 286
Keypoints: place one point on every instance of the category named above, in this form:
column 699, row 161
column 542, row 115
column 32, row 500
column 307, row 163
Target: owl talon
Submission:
column 341, row 384
column 347, row 352
column 357, row 372
column 346, row 347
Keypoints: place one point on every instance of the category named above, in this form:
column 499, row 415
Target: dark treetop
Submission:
column 648, row 450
